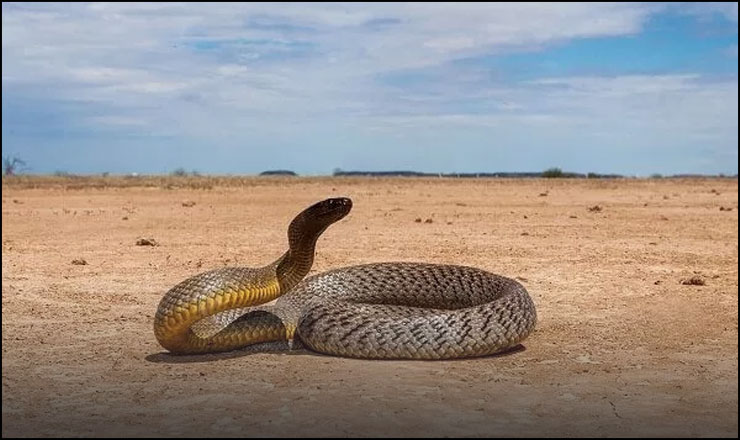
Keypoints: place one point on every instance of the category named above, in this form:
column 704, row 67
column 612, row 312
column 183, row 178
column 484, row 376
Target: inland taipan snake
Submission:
column 378, row 311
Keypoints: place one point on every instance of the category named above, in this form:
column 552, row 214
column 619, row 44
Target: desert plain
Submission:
column 635, row 283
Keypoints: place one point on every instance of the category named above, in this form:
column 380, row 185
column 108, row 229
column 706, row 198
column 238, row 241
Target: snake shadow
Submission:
column 282, row 348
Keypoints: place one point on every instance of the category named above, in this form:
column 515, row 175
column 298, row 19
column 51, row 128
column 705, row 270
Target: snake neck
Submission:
column 303, row 232
column 295, row 264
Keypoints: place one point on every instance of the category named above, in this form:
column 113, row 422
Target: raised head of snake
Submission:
column 303, row 232
column 198, row 315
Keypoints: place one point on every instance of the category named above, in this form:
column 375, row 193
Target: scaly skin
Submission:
column 378, row 311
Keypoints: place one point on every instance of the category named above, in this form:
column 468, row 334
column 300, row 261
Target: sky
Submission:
column 625, row 88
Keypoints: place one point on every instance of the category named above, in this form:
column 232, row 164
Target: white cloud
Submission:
column 103, row 75
column 625, row 85
column 102, row 35
column 232, row 70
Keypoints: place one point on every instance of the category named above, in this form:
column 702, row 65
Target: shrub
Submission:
column 552, row 172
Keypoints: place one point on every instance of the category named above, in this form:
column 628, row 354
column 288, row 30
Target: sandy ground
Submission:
column 622, row 347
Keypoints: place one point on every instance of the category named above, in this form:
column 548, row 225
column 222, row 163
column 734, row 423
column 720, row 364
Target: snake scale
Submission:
column 374, row 311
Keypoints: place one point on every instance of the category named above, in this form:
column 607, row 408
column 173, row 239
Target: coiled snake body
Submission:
column 380, row 311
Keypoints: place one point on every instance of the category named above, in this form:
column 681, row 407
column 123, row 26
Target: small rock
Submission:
column 694, row 281
column 418, row 220
column 595, row 208
column 722, row 208
column 524, row 234
column 544, row 194
column 428, row 220
column 188, row 204
column 146, row 242
column 573, row 216
column 124, row 218
column 79, row 261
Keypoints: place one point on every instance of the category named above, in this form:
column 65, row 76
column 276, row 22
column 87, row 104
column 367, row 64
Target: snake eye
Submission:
column 341, row 201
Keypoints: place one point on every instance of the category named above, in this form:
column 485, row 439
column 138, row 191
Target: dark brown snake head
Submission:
column 328, row 211
column 309, row 224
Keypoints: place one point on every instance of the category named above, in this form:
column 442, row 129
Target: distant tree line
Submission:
column 549, row 173
column 15, row 165
column 278, row 173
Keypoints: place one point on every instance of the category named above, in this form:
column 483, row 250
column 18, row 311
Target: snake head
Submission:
column 330, row 210
column 309, row 224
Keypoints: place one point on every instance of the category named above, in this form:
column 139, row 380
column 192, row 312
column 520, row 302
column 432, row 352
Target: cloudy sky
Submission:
column 241, row 88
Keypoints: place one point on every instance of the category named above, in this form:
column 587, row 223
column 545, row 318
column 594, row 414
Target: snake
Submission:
column 386, row 310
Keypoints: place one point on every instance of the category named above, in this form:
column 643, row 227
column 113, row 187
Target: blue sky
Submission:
column 624, row 88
